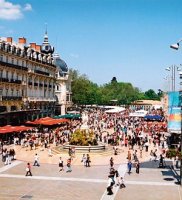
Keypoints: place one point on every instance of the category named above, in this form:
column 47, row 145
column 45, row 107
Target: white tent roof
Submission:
column 138, row 113
column 115, row 110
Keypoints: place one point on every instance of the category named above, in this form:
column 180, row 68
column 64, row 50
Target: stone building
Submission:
column 27, row 80
column 63, row 86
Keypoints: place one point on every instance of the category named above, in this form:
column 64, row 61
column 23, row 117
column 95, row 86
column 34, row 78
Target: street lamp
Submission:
column 173, row 70
column 176, row 47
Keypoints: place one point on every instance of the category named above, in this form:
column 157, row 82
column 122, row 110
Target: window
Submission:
column 7, row 59
column 12, row 91
column 1, row 73
column 67, row 97
column 12, row 75
column 17, row 62
column 22, row 63
column 7, row 73
column 7, row 92
column 17, row 93
column 1, row 57
column 12, row 60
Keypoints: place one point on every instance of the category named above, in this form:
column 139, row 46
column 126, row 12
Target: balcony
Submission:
column 15, row 81
column 11, row 98
column 5, row 64
column 41, row 72
column 41, row 99
column 6, row 80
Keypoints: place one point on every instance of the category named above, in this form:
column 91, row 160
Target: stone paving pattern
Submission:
column 84, row 183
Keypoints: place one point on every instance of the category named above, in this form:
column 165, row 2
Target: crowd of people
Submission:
column 131, row 133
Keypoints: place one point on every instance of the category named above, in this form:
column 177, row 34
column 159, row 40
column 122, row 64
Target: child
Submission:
column 122, row 185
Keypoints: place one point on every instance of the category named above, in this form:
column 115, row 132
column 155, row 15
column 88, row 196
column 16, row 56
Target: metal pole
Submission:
column 180, row 96
column 172, row 78
column 174, row 69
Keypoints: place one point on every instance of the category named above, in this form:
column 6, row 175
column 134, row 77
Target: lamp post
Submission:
column 176, row 47
column 173, row 70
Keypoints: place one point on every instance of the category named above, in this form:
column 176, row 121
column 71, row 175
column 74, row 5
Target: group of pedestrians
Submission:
column 8, row 156
column 86, row 160
column 114, row 178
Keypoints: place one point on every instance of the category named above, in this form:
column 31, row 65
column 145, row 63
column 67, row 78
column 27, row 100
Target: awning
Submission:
column 154, row 117
column 48, row 121
column 11, row 129
column 68, row 116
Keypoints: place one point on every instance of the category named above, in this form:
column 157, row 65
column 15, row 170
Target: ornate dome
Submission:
column 46, row 47
column 60, row 64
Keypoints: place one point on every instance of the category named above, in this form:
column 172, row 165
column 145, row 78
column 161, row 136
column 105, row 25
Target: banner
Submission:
column 174, row 112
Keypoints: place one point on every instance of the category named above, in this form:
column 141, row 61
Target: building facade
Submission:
column 27, row 80
column 63, row 86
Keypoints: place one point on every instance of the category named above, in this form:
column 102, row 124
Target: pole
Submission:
column 180, row 96
column 174, row 70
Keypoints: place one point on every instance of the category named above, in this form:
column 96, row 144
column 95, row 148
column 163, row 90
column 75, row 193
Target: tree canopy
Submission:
column 85, row 91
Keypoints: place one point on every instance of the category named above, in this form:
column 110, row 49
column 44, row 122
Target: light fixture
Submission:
column 180, row 74
column 168, row 69
column 176, row 45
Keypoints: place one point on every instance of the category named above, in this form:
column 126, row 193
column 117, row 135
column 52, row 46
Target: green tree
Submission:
column 150, row 94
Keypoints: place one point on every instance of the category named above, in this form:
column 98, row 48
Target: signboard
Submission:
column 174, row 112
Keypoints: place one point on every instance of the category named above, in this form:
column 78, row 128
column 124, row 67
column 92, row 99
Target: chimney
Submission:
column 33, row 46
column 9, row 39
column 38, row 48
column 22, row 40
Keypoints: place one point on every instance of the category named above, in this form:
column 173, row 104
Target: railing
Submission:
column 10, row 80
column 5, row 64
column 41, row 72
column 40, row 99
column 10, row 98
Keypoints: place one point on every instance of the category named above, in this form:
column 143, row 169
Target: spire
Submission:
column 46, row 47
column 46, row 35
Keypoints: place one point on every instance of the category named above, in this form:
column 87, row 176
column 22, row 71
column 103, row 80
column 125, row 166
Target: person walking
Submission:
column 84, row 159
column 50, row 152
column 36, row 160
column 69, row 165
column 111, row 162
column 28, row 170
column 61, row 164
column 129, row 165
column 109, row 185
column 88, row 161
column 137, row 167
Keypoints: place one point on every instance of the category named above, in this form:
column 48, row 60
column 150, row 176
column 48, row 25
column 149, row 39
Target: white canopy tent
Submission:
column 138, row 113
column 116, row 110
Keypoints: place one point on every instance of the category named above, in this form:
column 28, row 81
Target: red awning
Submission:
column 11, row 129
column 48, row 121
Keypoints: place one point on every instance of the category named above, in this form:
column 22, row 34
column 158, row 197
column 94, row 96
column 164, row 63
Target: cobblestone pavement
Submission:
column 47, row 183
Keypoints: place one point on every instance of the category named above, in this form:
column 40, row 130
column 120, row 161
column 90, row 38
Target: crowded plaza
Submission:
column 129, row 143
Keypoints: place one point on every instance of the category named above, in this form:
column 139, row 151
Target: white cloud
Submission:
column 28, row 7
column 10, row 11
column 74, row 55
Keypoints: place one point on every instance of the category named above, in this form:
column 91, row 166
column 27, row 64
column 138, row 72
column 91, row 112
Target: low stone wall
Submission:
column 85, row 148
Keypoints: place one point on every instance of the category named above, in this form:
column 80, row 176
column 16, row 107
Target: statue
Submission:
column 84, row 125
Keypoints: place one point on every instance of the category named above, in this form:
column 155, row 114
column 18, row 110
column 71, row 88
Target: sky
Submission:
column 126, row 39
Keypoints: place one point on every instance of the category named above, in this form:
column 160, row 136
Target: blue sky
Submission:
column 128, row 39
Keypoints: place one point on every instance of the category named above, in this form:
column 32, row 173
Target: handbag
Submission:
column 27, row 169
